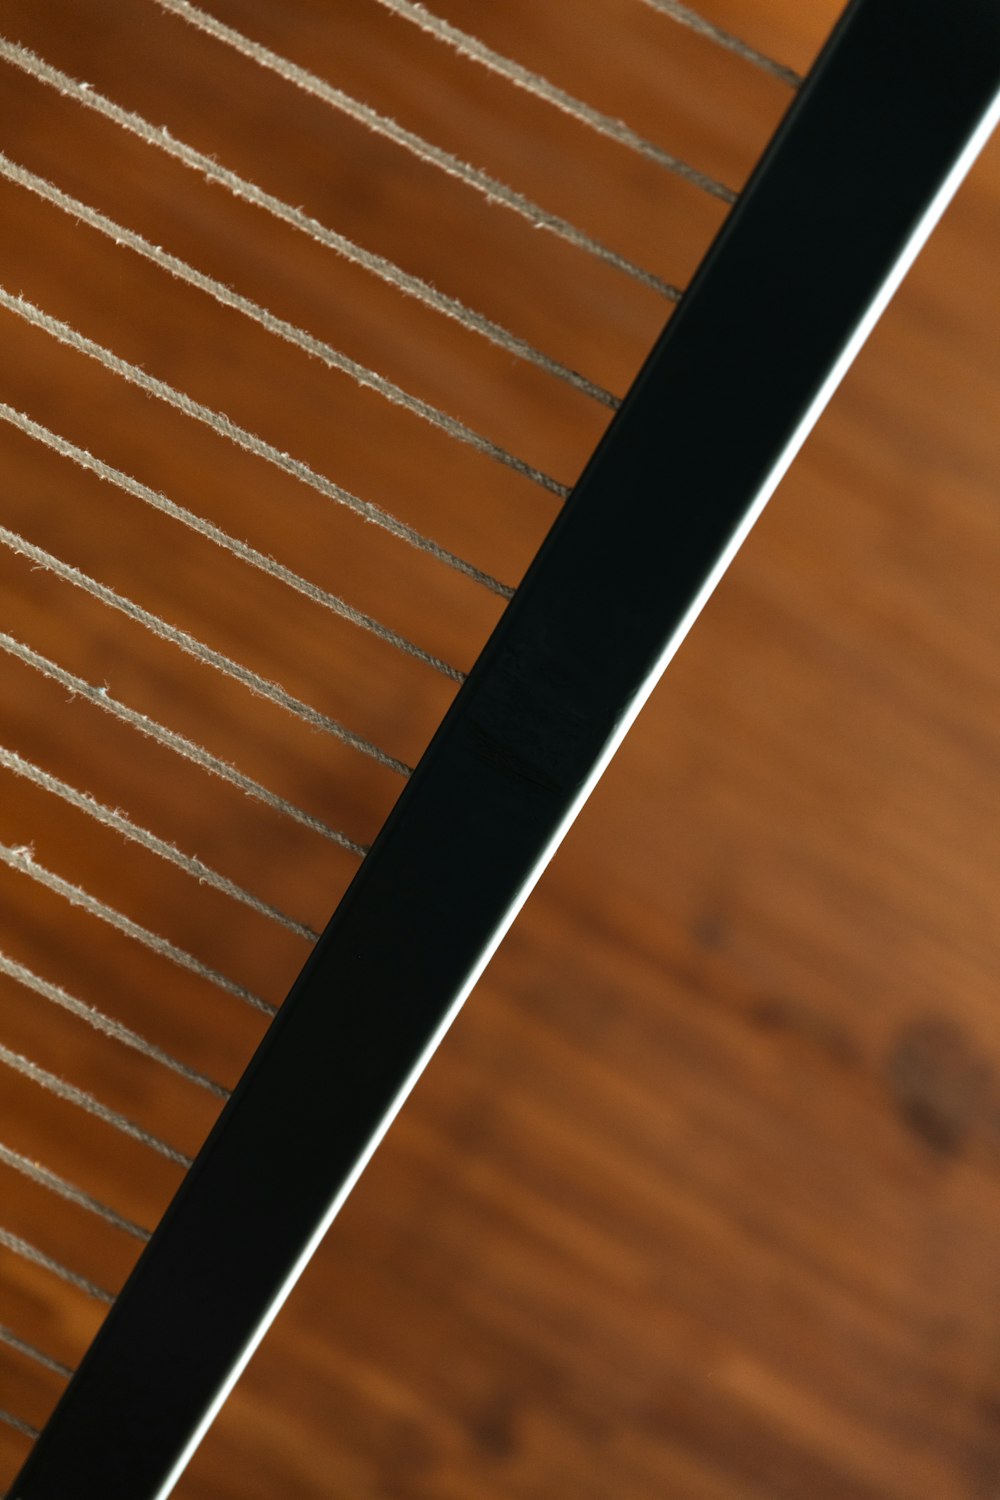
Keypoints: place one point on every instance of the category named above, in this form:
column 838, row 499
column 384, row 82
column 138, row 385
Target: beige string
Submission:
column 79, row 1097
column 111, row 817
column 101, row 698
column 42, row 1177
column 22, row 859
column 38, row 1257
column 259, row 560
column 534, row 83
column 491, row 188
column 685, row 16
column 106, row 1025
column 191, row 646
column 30, row 1352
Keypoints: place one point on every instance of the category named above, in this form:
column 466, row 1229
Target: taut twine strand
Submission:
column 101, row 698
column 685, row 16
column 24, row 1428
column 37, row 67
column 491, row 188
column 226, row 297
column 85, row 1101
column 38, row 1257
column 21, row 1346
column 114, row 818
column 378, row 265
column 106, row 1025
column 262, row 561
column 53, row 1183
column 191, row 646
column 475, row 50
column 23, row 860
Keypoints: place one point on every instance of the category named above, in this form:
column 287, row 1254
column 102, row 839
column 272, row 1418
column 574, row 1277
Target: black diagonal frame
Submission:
column 891, row 116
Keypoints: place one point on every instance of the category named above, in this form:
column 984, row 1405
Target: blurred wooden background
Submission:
column 701, row 1196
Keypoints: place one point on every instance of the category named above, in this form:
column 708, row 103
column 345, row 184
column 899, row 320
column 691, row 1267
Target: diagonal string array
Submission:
column 225, row 427
column 475, row 50
column 85, row 1101
column 53, row 1183
column 220, row 423
column 21, row 1346
column 68, row 87
column 207, row 655
column 38, row 1257
column 23, row 860
column 116, row 1030
column 110, row 817
column 685, row 16
column 386, row 270
column 171, row 740
column 242, row 438
column 481, row 182
column 262, row 561
column 282, row 329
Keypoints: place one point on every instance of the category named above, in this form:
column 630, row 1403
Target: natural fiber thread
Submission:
column 22, row 859
column 534, row 83
column 685, row 16
column 242, row 438
column 106, row 1025
column 297, row 337
column 481, row 182
column 39, row 1258
column 259, row 560
column 72, row 1095
column 30, row 1352
column 36, row 67
column 393, row 275
column 261, row 686
column 42, row 1177
column 171, row 740
column 110, row 817
column 25, row 1428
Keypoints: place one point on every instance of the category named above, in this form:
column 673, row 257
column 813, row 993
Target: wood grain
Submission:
column 701, row 1197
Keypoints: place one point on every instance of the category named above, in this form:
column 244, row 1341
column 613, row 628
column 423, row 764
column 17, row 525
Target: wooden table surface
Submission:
column 701, row 1198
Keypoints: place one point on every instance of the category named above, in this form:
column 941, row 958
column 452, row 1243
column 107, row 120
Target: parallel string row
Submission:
column 221, row 424
column 100, row 697
column 393, row 275
column 85, row 1101
column 685, row 16
column 106, row 1025
column 57, row 1185
column 37, row 67
column 207, row 655
column 22, row 859
column 481, row 182
column 262, row 561
column 475, row 50
column 226, row 297
column 242, row 438
column 37, row 1257
column 110, row 817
